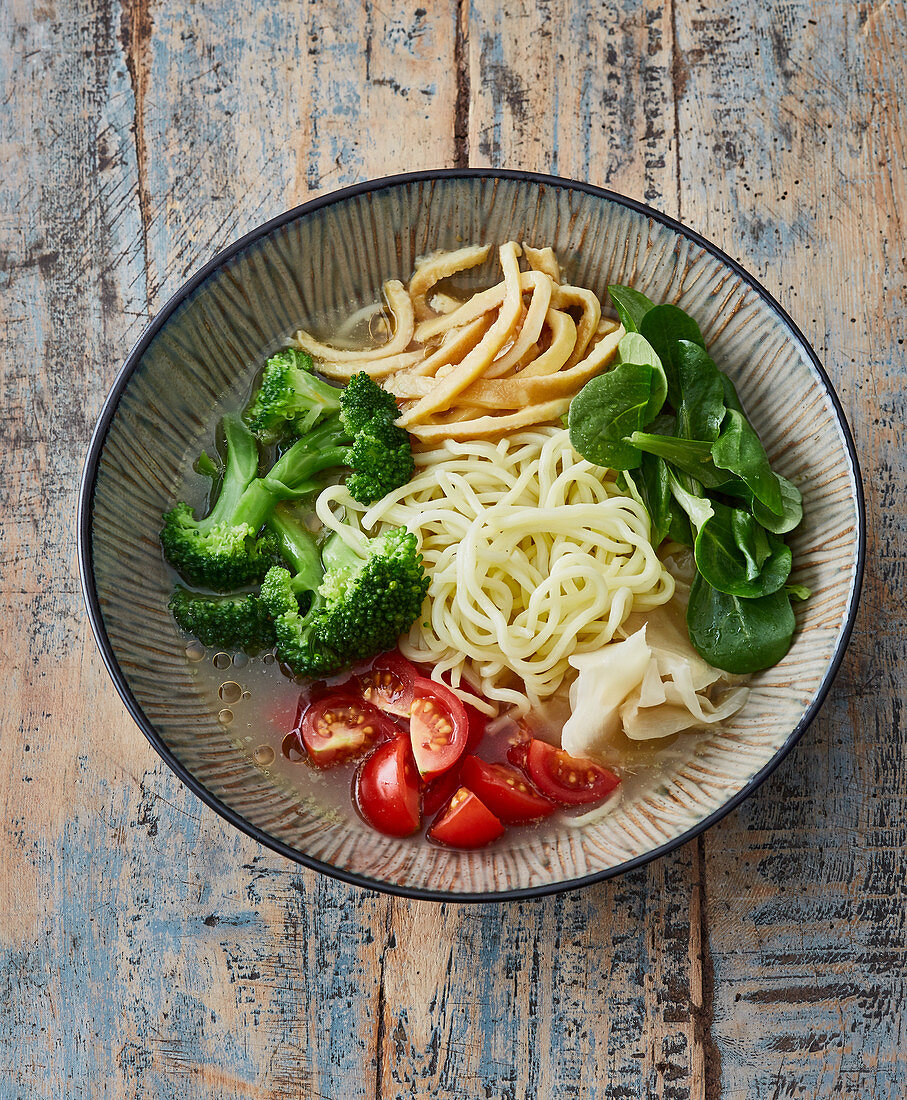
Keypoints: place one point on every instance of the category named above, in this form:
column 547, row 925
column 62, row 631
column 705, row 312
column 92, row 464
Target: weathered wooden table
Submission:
column 150, row 951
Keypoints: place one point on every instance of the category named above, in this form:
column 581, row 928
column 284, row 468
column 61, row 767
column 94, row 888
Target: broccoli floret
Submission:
column 362, row 400
column 298, row 643
column 228, row 622
column 381, row 460
column 222, row 551
column 290, row 399
column 224, row 556
column 363, row 603
column 282, row 590
column 372, row 446
column 372, row 597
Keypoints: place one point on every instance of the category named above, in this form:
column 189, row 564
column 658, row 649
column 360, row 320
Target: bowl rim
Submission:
column 108, row 411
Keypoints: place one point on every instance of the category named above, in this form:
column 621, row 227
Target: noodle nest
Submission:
column 533, row 555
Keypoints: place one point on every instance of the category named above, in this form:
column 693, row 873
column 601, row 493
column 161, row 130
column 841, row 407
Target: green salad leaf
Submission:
column 612, row 406
column 673, row 423
column 701, row 409
column 739, row 450
column 631, row 306
column 737, row 634
column 664, row 326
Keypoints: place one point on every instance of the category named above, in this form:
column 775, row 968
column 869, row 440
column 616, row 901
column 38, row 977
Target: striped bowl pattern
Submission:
column 311, row 268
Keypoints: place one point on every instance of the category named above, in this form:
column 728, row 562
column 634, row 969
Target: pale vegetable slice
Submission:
column 605, row 679
column 644, row 689
column 674, row 715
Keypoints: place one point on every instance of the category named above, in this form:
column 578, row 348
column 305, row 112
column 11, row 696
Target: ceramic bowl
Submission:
column 315, row 264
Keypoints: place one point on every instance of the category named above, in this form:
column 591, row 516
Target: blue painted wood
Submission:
column 792, row 133
column 147, row 950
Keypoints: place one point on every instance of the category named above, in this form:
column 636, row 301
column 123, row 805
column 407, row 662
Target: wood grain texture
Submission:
column 149, row 951
column 804, row 181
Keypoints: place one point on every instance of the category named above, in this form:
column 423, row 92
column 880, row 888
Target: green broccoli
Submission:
column 381, row 460
column 227, row 550
column 371, row 597
column 290, row 398
column 363, row 399
column 361, row 606
column 362, row 436
column 228, row 622
column 222, row 551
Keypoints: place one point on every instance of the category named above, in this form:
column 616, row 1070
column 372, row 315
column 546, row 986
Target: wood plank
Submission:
column 792, row 158
column 588, row 990
column 146, row 946
column 583, row 90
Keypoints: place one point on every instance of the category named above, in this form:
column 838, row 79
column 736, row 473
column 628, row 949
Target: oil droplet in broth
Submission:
column 225, row 717
column 222, row 660
column 264, row 755
column 230, row 692
column 195, row 651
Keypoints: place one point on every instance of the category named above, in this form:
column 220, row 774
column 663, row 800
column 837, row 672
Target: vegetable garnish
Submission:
column 387, row 789
column 703, row 475
column 505, row 792
column 340, row 728
column 389, row 683
column 438, row 726
column 566, row 779
column 359, row 603
column 466, row 823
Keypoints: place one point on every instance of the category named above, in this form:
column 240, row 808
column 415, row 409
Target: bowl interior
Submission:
column 334, row 256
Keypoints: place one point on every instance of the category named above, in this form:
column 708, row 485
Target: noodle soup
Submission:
column 492, row 555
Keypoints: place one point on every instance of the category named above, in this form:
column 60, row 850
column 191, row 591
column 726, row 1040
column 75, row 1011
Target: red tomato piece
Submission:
column 466, row 823
column 388, row 684
column 339, row 728
column 477, row 723
column 438, row 727
column 505, row 792
column 439, row 792
column 386, row 790
column 569, row 780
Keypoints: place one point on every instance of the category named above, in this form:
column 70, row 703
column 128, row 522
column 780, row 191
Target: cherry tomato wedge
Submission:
column 566, row 779
column 440, row 791
column 438, row 727
column 466, row 823
column 504, row 791
column 387, row 789
column 388, row 684
column 339, row 728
